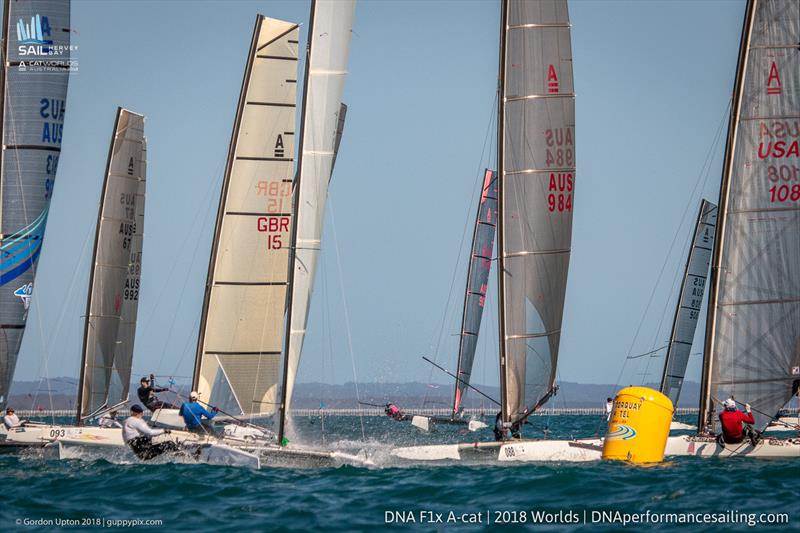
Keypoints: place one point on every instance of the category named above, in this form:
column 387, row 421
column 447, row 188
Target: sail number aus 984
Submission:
column 559, row 197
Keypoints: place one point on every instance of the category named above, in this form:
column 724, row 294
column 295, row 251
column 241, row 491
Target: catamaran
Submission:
column 535, row 191
column 753, row 324
column 32, row 109
column 268, row 231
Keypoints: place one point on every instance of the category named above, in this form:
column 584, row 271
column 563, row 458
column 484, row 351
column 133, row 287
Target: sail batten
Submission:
column 537, row 140
column 32, row 109
column 112, row 301
column 753, row 338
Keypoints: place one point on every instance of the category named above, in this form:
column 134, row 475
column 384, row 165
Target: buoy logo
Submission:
column 774, row 80
column 622, row 432
column 34, row 32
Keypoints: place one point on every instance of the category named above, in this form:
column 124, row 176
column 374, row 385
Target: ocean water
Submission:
column 41, row 494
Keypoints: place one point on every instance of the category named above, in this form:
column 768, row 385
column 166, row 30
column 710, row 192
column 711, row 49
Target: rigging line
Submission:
column 702, row 178
column 470, row 211
column 346, row 314
column 658, row 279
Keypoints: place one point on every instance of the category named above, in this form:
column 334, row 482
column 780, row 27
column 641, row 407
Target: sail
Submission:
column 114, row 281
column 329, row 45
column 33, row 108
column 537, row 172
column 239, row 365
column 690, row 300
column 480, row 263
column 754, row 335
column 339, row 133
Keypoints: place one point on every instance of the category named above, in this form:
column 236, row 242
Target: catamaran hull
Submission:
column 699, row 446
column 507, row 452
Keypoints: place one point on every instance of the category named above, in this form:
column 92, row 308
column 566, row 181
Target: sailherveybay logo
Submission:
column 25, row 293
column 37, row 50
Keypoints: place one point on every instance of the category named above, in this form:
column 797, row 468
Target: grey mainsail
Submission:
column 113, row 298
column 690, row 300
column 480, row 263
column 33, row 108
column 753, row 334
column 536, row 169
column 239, row 363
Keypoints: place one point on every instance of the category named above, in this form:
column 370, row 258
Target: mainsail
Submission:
column 536, row 166
column 326, row 69
column 239, row 364
column 480, row 263
column 690, row 300
column 753, row 335
column 113, row 297
column 33, row 107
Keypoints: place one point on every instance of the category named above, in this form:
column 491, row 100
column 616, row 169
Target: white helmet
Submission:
column 193, row 395
column 729, row 404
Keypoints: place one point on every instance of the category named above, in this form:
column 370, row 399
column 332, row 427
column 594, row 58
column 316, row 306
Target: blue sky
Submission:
column 652, row 79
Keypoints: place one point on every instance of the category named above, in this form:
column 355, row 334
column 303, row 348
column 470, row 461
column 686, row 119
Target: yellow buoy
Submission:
column 639, row 426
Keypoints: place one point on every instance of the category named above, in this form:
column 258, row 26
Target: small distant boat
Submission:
column 753, row 324
column 535, row 192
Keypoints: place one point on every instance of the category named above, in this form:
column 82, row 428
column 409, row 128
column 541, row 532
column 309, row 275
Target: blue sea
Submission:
column 83, row 495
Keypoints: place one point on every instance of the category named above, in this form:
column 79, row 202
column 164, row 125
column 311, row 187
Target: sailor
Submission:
column 11, row 420
column 139, row 436
column 392, row 411
column 609, row 408
column 109, row 420
column 147, row 395
column 732, row 421
column 499, row 428
column 193, row 413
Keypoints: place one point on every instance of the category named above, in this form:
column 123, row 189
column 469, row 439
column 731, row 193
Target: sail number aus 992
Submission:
column 559, row 197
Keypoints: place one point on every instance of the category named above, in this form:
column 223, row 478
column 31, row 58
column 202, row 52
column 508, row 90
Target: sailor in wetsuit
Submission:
column 733, row 423
column 139, row 436
column 146, row 394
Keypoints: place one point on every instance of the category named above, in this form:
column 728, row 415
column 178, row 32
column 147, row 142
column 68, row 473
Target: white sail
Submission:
column 330, row 32
column 113, row 297
column 32, row 109
column 239, row 357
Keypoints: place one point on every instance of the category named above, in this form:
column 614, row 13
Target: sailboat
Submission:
column 113, row 296
column 752, row 342
column 687, row 310
column 536, row 180
column 268, row 230
column 478, row 269
column 32, row 109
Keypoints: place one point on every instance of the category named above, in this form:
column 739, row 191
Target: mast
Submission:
column 706, row 402
column 295, row 224
column 501, row 300
column 690, row 299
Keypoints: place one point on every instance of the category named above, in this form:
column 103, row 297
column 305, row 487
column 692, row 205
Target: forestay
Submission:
column 480, row 263
column 537, row 170
column 113, row 298
column 689, row 302
column 239, row 365
column 329, row 34
column 755, row 348
column 33, row 108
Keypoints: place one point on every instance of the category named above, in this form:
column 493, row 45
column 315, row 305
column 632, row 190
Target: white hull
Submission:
column 426, row 424
column 787, row 423
column 700, row 446
column 42, row 434
column 509, row 451
column 681, row 426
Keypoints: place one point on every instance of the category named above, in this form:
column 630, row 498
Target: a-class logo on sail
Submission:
column 24, row 293
column 774, row 80
column 552, row 79
column 35, row 32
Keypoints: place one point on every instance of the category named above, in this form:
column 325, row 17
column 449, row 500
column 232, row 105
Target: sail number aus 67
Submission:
column 559, row 197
